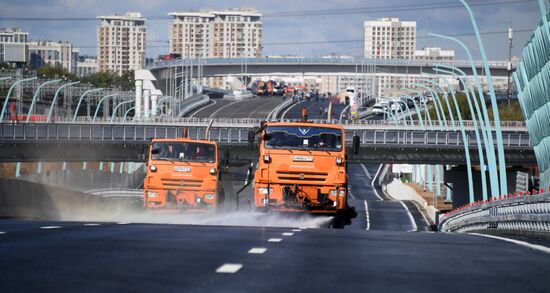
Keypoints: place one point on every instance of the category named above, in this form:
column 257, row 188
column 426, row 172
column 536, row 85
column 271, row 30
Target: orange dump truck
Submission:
column 302, row 167
column 184, row 174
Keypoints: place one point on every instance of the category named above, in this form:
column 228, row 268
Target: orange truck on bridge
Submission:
column 302, row 168
column 183, row 174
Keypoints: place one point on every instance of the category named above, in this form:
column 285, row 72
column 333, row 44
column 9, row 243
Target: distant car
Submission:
column 379, row 108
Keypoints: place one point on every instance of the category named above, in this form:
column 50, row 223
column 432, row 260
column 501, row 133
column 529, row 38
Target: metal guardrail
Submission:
column 518, row 212
column 234, row 134
column 192, row 104
column 251, row 122
column 277, row 111
column 322, row 61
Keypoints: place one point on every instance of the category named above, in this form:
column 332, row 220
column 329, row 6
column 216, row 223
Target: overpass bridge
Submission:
column 317, row 66
column 380, row 142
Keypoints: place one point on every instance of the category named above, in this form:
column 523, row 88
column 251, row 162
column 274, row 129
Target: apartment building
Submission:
column 232, row 33
column 13, row 45
column 57, row 54
column 389, row 38
column 121, row 42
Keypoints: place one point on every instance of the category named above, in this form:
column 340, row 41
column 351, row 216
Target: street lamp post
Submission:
column 435, row 97
column 116, row 108
column 126, row 113
column 416, row 108
column 55, row 98
column 476, row 131
column 35, row 96
column 446, row 96
column 80, row 101
column 99, row 104
column 9, row 94
column 490, row 145
column 422, row 100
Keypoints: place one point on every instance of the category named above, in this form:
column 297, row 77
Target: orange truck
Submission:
column 302, row 168
column 183, row 174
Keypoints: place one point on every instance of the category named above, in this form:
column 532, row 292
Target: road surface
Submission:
column 257, row 107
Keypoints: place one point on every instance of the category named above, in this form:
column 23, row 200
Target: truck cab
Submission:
column 302, row 167
column 183, row 174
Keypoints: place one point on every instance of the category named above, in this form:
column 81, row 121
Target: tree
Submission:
column 52, row 72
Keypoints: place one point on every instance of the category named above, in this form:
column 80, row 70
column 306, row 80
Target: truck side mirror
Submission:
column 356, row 144
column 251, row 137
column 249, row 174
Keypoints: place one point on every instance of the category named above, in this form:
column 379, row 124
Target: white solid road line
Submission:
column 288, row 109
column 91, row 224
column 413, row 223
column 296, row 230
column 367, row 214
column 257, row 250
column 2, row 232
column 50, row 227
column 193, row 115
column 287, row 234
column 275, row 240
column 123, row 223
column 518, row 242
column 374, row 179
column 366, row 171
column 229, row 268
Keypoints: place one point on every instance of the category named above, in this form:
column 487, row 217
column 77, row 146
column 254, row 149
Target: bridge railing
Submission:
column 322, row 61
column 234, row 134
column 526, row 211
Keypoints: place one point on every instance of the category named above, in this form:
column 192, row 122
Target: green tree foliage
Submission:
column 512, row 114
column 53, row 72
column 109, row 79
column 4, row 65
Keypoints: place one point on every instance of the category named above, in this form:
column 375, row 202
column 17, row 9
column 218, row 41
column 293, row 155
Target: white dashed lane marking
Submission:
column 275, row 240
column 229, row 268
column 296, row 230
column 287, row 234
column 2, row 232
column 50, row 227
column 92, row 224
column 257, row 250
column 123, row 223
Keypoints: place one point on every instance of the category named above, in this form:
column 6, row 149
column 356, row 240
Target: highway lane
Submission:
column 375, row 210
column 184, row 258
column 257, row 107
column 313, row 108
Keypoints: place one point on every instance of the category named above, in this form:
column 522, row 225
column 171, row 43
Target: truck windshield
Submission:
column 183, row 151
column 303, row 137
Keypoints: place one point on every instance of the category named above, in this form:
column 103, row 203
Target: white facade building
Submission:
column 86, row 66
column 57, row 54
column 434, row 53
column 389, row 38
column 231, row 33
column 121, row 42
column 13, row 45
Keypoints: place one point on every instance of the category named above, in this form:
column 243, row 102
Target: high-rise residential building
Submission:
column 13, row 45
column 434, row 53
column 121, row 42
column 216, row 34
column 389, row 38
column 57, row 54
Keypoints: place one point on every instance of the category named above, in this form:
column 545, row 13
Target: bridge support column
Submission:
column 39, row 168
column 139, row 91
column 146, row 100
column 154, row 99
column 430, row 178
column 121, row 169
column 112, row 167
column 84, row 165
column 18, row 169
column 100, row 166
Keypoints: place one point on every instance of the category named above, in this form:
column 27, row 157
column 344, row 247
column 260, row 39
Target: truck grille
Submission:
column 302, row 176
column 170, row 183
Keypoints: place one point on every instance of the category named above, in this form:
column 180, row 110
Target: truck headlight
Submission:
column 212, row 171
column 153, row 168
column 266, row 158
column 334, row 192
column 152, row 194
column 264, row 191
column 338, row 160
column 209, row 196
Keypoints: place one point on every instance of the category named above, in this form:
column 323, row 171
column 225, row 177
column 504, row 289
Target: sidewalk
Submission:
column 406, row 191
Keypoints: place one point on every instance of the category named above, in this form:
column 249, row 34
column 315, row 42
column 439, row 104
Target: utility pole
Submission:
column 510, row 38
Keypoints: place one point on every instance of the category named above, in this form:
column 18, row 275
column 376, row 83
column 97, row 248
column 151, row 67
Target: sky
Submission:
column 287, row 23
